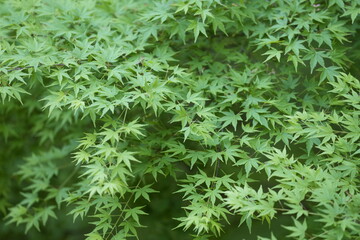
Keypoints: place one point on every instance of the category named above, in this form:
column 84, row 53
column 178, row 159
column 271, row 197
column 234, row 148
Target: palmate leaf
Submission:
column 316, row 58
column 295, row 47
column 230, row 118
column 298, row 230
column 144, row 192
column 134, row 214
column 329, row 73
column 13, row 91
column 197, row 27
column 273, row 53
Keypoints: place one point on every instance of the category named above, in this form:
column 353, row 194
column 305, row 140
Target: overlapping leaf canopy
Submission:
column 250, row 107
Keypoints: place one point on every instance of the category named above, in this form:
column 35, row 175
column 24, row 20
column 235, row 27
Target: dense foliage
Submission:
column 188, row 116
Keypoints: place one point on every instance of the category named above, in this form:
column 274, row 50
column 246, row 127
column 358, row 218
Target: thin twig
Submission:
column 72, row 174
column 122, row 212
